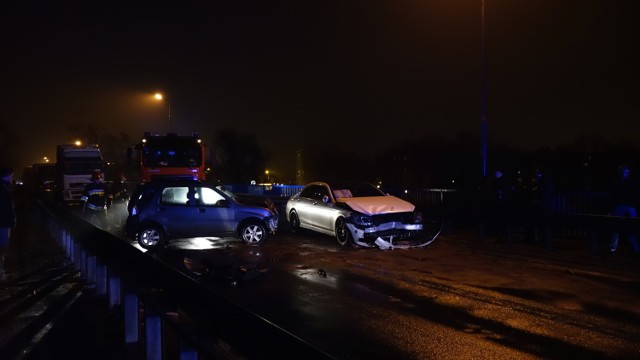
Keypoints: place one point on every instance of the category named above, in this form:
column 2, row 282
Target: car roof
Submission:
column 172, row 182
column 341, row 184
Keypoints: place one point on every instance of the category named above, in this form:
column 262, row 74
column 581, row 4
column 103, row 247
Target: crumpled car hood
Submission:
column 374, row 205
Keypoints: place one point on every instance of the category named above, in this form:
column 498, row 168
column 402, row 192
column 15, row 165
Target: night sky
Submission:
column 362, row 75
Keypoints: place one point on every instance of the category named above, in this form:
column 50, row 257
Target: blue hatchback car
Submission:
column 165, row 209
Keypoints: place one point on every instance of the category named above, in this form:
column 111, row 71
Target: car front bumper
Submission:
column 272, row 224
column 387, row 235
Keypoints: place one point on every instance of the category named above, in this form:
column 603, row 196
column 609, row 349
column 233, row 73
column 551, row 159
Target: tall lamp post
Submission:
column 483, row 115
column 158, row 96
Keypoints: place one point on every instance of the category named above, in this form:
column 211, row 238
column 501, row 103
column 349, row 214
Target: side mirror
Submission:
column 325, row 199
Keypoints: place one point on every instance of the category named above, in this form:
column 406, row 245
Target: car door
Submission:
column 215, row 212
column 313, row 212
column 176, row 214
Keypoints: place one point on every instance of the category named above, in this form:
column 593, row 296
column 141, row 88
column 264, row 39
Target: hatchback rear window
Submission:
column 175, row 195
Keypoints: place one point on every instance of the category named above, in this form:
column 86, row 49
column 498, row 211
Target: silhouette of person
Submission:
column 96, row 200
column 498, row 197
column 7, row 213
column 541, row 190
column 624, row 198
column 191, row 197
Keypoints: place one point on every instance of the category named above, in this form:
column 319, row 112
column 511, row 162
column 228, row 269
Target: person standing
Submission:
column 7, row 214
column 95, row 198
column 624, row 199
column 498, row 197
column 541, row 190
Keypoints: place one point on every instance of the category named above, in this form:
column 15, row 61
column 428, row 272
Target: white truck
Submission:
column 74, row 166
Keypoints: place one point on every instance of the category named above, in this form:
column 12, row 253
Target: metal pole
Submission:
column 169, row 116
column 483, row 116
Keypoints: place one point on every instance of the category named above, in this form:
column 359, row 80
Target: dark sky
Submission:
column 363, row 75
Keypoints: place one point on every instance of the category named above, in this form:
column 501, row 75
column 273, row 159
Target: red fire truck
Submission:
column 171, row 155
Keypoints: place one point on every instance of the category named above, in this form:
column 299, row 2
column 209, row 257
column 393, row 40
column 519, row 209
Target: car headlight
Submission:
column 361, row 219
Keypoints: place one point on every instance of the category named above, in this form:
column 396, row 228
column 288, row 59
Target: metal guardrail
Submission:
column 132, row 280
column 572, row 215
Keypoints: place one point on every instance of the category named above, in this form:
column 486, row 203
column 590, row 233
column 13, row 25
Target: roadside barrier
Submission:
column 580, row 215
column 162, row 306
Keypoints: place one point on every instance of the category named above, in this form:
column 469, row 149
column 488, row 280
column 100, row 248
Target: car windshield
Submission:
column 355, row 189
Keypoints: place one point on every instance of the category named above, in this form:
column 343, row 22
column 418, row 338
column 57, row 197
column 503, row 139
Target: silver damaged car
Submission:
column 357, row 214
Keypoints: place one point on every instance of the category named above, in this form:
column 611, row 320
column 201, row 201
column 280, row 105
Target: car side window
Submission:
column 316, row 192
column 174, row 195
column 324, row 195
column 308, row 192
column 209, row 196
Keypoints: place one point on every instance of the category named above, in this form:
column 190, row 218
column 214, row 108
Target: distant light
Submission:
column 158, row 96
column 78, row 142
column 406, row 191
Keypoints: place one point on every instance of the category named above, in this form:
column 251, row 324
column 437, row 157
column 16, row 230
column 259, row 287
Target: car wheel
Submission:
column 253, row 233
column 343, row 234
column 294, row 222
column 150, row 237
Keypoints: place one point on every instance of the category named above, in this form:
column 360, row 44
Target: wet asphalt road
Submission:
column 455, row 299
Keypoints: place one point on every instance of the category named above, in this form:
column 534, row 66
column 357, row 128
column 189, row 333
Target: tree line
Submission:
column 586, row 163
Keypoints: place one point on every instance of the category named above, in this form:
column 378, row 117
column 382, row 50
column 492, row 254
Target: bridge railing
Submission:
column 578, row 214
column 176, row 308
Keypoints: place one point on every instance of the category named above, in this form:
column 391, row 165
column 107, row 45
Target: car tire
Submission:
column 294, row 222
column 343, row 235
column 150, row 237
column 253, row 233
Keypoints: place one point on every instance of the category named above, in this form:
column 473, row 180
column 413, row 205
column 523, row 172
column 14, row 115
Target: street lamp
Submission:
column 158, row 96
column 483, row 115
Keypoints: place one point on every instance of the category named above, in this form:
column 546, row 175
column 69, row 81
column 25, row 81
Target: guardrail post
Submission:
column 77, row 255
column 60, row 234
column 91, row 271
column 68, row 245
column 153, row 334
column 131, row 309
column 187, row 352
column 82, row 262
column 115, row 291
column 101, row 278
